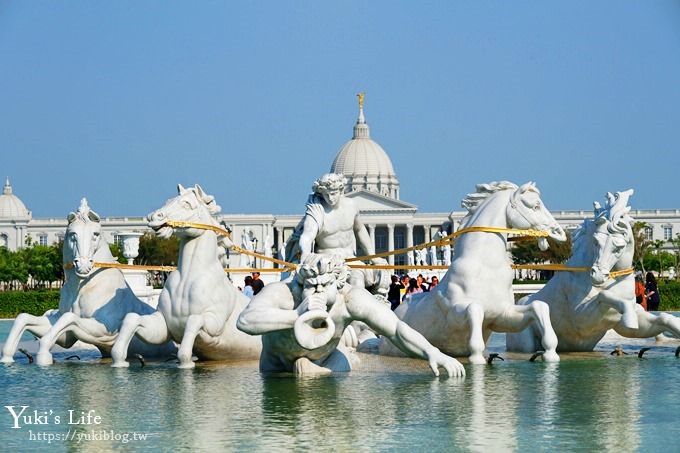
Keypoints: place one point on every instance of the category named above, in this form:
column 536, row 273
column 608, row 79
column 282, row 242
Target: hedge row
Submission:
column 669, row 291
column 38, row 302
column 13, row 303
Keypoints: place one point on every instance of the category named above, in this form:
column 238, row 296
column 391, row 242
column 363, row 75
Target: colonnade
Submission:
column 385, row 237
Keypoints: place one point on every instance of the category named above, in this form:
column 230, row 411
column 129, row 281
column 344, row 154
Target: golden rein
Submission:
column 288, row 267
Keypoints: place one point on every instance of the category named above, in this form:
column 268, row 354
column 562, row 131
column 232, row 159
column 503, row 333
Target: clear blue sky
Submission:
column 120, row 101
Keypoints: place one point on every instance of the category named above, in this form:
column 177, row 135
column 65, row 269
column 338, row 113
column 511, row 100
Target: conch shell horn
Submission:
column 314, row 329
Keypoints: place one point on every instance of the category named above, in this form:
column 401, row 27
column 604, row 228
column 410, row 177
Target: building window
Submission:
column 3, row 240
column 42, row 239
column 400, row 243
column 380, row 239
column 667, row 232
column 118, row 240
column 418, row 235
column 649, row 233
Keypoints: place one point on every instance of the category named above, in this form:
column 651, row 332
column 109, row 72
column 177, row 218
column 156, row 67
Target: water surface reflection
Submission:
column 591, row 401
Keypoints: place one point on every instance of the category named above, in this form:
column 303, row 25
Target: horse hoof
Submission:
column 186, row 365
column 7, row 359
column 44, row 359
column 551, row 356
column 477, row 359
column 120, row 364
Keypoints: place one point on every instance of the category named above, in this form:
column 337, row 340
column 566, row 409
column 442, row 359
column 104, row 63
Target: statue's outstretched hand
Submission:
column 452, row 366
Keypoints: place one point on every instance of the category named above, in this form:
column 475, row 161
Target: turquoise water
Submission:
column 590, row 402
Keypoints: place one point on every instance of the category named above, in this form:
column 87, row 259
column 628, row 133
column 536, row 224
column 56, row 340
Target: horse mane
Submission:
column 581, row 244
column 83, row 214
column 213, row 209
column 616, row 212
column 484, row 191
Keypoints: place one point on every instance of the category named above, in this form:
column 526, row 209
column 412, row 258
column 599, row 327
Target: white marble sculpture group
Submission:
column 312, row 322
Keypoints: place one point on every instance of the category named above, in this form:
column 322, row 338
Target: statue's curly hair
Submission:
column 329, row 181
column 318, row 264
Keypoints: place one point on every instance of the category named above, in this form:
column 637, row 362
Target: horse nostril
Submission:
column 155, row 216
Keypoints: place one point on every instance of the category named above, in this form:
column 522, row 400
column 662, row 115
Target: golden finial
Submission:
column 361, row 99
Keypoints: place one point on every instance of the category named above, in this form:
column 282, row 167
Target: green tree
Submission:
column 642, row 244
column 13, row 268
column 117, row 253
column 43, row 263
column 527, row 252
column 676, row 254
column 660, row 260
column 156, row 251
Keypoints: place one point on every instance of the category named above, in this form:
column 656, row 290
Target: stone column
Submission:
column 410, row 257
column 390, row 243
column 371, row 233
column 281, row 252
column 279, row 236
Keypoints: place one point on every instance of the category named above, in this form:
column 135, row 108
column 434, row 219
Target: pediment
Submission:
column 374, row 202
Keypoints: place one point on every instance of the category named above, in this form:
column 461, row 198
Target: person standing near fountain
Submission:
column 653, row 299
column 302, row 321
column 257, row 283
column 640, row 296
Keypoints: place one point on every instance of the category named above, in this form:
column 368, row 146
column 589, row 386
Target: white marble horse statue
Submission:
column 475, row 295
column 198, row 306
column 585, row 305
column 93, row 302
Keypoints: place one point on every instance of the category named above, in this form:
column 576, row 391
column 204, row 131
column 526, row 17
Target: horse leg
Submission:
column 627, row 308
column 149, row 328
column 193, row 326
column 474, row 314
column 651, row 325
column 518, row 318
column 37, row 325
column 88, row 330
column 44, row 356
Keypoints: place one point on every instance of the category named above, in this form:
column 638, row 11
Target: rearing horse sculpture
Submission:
column 475, row 295
column 198, row 306
column 93, row 300
column 585, row 305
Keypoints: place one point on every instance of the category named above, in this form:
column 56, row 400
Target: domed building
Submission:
column 13, row 214
column 364, row 163
column 371, row 182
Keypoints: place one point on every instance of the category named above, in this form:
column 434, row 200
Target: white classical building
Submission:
column 371, row 182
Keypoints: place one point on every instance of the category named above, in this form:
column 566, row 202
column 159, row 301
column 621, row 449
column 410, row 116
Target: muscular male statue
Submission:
column 331, row 225
column 302, row 321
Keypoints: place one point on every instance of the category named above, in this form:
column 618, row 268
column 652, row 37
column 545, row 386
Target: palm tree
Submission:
column 642, row 244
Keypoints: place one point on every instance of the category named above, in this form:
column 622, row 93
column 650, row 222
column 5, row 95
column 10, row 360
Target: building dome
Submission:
column 11, row 207
column 364, row 163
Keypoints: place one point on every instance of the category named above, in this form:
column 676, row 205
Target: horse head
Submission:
column 527, row 211
column 191, row 205
column 82, row 240
column 613, row 237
